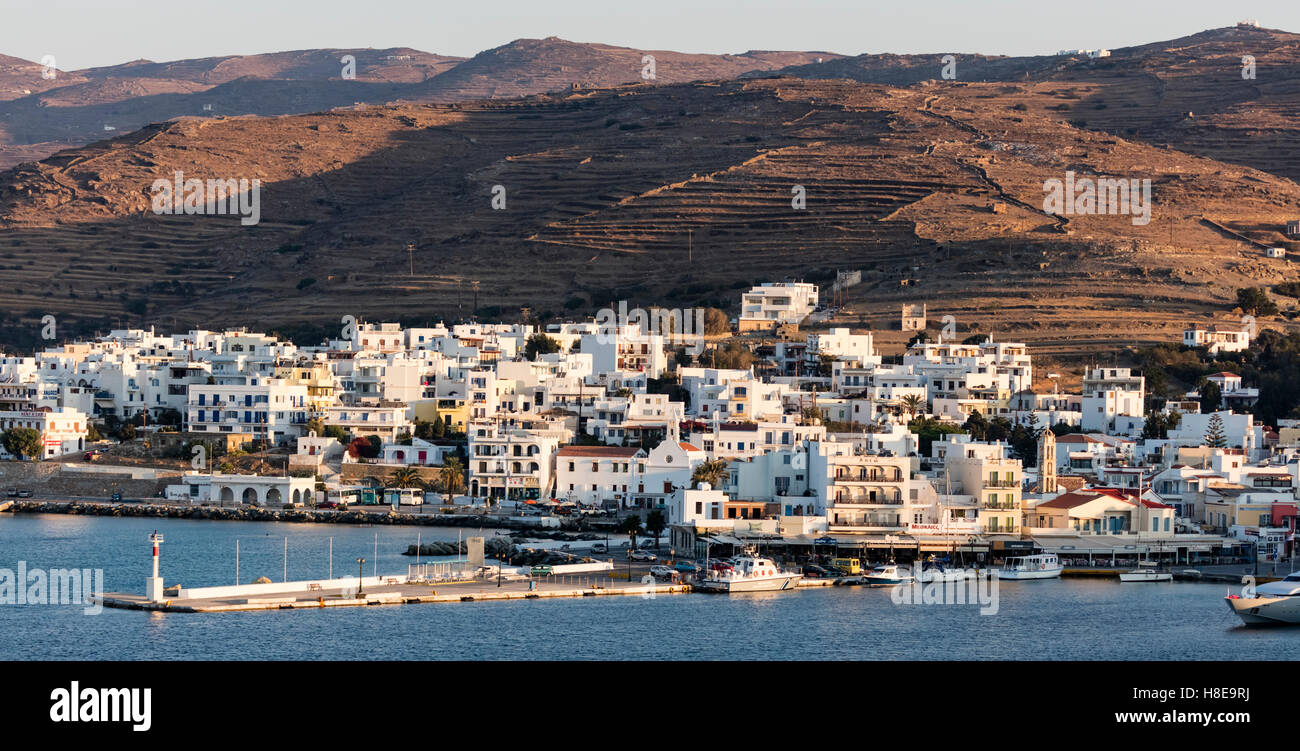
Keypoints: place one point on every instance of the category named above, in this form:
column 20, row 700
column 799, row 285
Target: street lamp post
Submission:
column 360, row 577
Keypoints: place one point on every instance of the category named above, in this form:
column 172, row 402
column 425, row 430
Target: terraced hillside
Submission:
column 676, row 194
column 1188, row 93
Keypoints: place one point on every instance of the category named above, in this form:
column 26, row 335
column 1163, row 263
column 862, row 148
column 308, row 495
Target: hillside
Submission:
column 39, row 117
column 532, row 66
column 674, row 194
column 1187, row 93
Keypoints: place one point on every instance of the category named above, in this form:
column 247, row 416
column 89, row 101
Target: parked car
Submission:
column 648, row 543
column 662, row 572
column 641, row 555
column 116, row 498
column 815, row 572
column 832, row 571
column 600, row 547
column 12, row 492
column 327, row 504
column 24, row 493
column 686, row 567
column 91, row 455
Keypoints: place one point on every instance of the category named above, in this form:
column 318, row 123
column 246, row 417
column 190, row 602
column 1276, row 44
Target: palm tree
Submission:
column 655, row 523
column 913, row 403
column 452, row 476
column 631, row 526
column 711, row 472
column 406, row 477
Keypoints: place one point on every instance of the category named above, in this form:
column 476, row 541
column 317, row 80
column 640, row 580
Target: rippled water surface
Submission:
column 1063, row 619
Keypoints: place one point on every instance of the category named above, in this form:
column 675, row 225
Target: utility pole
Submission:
column 410, row 256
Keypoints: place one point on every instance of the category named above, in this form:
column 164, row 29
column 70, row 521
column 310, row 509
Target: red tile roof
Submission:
column 597, row 451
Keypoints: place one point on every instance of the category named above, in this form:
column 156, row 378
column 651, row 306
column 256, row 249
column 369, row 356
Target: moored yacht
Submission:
column 749, row 573
column 933, row 571
column 1274, row 603
column 1040, row 566
column 1147, row 571
column 887, row 575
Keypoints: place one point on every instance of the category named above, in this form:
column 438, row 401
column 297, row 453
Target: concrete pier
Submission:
column 406, row 593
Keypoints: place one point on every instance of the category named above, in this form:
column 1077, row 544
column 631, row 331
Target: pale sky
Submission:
column 90, row 33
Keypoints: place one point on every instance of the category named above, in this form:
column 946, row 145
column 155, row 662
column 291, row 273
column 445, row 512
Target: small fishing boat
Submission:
column 934, row 571
column 887, row 575
column 1041, row 566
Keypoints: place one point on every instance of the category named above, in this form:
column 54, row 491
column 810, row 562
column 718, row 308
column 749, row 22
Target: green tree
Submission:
column 1255, row 301
column 716, row 322
column 630, row 526
column 912, row 403
column 1211, row 396
column 711, row 472
column 920, row 336
column 452, row 476
column 540, row 344
column 315, row 425
column 733, row 354
column 1158, row 424
column 24, row 443
column 404, row 477
column 928, row 429
column 655, row 524
column 1214, row 437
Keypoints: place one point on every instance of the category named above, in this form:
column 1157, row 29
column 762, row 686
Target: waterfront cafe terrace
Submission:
column 1079, row 550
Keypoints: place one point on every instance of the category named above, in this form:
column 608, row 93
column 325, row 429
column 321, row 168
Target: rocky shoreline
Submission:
column 255, row 514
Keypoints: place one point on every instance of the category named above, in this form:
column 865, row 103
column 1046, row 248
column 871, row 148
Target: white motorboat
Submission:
column 888, row 575
column 933, row 571
column 1273, row 603
column 1040, row 566
column 749, row 573
column 1147, row 571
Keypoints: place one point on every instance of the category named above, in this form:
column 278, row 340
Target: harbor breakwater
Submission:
column 258, row 514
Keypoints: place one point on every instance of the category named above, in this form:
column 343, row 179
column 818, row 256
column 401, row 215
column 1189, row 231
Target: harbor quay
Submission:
column 390, row 591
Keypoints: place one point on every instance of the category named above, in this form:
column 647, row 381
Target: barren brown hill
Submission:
column 82, row 106
column 675, row 194
column 1188, row 93
column 19, row 78
column 533, row 66
column 45, row 116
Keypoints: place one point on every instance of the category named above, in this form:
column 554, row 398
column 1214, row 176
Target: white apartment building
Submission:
column 634, row 419
column 269, row 409
column 1217, row 338
column 63, row 431
column 858, row 350
column 1110, row 395
column 386, row 419
column 741, row 440
column 774, row 303
column 512, row 463
column 859, row 493
column 626, row 476
column 626, row 347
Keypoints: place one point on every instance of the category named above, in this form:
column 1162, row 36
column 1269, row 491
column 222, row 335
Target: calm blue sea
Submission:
column 1064, row 619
